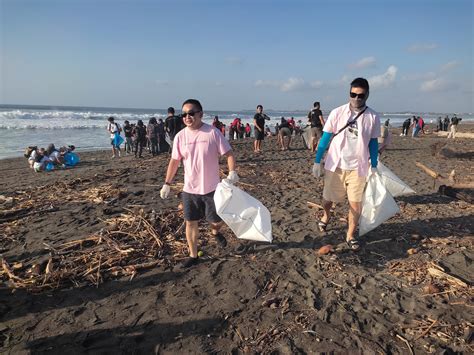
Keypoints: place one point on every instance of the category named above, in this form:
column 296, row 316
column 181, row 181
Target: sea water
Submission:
column 85, row 127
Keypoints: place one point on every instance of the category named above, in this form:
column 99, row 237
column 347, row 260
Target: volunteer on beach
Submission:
column 199, row 146
column 354, row 128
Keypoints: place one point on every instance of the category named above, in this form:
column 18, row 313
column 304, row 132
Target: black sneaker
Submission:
column 188, row 262
column 220, row 240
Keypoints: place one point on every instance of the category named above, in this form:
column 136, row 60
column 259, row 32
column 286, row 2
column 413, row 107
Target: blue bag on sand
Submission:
column 118, row 140
column 49, row 166
column 71, row 159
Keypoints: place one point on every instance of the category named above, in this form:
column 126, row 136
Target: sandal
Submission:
column 353, row 244
column 322, row 226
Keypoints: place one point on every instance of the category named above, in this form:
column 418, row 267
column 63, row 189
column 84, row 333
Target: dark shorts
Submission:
column 259, row 136
column 196, row 207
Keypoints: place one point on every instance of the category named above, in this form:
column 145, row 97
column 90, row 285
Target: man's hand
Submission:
column 317, row 171
column 233, row 177
column 165, row 191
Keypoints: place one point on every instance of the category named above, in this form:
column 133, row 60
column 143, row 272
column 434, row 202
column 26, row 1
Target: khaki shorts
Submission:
column 316, row 132
column 285, row 132
column 341, row 182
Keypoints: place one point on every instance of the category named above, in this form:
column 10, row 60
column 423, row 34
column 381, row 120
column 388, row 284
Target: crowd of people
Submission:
column 156, row 137
column 41, row 159
column 417, row 125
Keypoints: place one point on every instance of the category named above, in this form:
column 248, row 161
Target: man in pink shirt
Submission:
column 354, row 128
column 199, row 146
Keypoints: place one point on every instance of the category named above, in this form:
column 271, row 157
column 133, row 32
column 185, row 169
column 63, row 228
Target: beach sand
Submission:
column 246, row 297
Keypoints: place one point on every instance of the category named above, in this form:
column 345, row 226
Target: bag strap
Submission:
column 351, row 122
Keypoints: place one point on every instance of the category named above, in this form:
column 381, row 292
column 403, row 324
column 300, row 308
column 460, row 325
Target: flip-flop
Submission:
column 353, row 244
column 322, row 226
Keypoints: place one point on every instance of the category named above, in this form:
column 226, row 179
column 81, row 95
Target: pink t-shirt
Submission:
column 368, row 126
column 200, row 150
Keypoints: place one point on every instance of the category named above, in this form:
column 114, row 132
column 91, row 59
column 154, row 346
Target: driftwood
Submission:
column 441, row 274
column 455, row 193
column 314, row 205
column 449, row 186
column 430, row 172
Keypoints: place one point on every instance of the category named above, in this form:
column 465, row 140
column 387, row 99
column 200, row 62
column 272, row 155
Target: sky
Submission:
column 233, row 55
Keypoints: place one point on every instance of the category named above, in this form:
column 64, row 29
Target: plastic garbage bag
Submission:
column 49, row 166
column 246, row 216
column 71, row 159
column 392, row 182
column 378, row 205
column 306, row 134
column 118, row 139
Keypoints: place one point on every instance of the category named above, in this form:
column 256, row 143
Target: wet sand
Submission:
column 247, row 297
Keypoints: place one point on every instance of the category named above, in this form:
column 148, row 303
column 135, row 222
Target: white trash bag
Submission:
column 246, row 216
column 392, row 182
column 377, row 205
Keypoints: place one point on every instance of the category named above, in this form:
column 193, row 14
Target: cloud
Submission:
column 422, row 47
column 290, row 85
column 293, row 84
column 450, row 65
column 267, row 83
column 384, row 80
column 419, row 76
column 438, row 84
column 367, row 62
column 234, row 61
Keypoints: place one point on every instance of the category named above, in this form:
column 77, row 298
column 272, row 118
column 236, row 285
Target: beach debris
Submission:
column 431, row 288
column 131, row 242
column 314, row 205
column 444, row 275
column 452, row 180
column 326, row 249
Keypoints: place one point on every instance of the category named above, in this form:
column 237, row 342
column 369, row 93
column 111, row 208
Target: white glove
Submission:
column 233, row 177
column 165, row 191
column 317, row 171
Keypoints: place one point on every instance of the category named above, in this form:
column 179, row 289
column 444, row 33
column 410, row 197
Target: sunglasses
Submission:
column 190, row 113
column 354, row 95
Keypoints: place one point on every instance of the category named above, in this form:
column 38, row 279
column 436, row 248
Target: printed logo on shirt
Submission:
column 353, row 130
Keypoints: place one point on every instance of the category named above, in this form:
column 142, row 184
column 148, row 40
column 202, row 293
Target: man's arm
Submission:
column 171, row 172
column 322, row 146
column 321, row 118
column 256, row 125
column 374, row 151
column 230, row 160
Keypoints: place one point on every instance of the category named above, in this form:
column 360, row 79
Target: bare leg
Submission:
column 354, row 215
column 327, row 205
column 192, row 232
column 215, row 227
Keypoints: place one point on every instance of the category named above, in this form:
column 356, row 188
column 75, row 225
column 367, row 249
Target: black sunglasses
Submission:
column 190, row 113
column 354, row 95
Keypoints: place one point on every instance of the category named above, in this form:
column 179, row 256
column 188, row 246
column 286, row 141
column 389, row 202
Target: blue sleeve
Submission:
column 374, row 151
column 322, row 146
